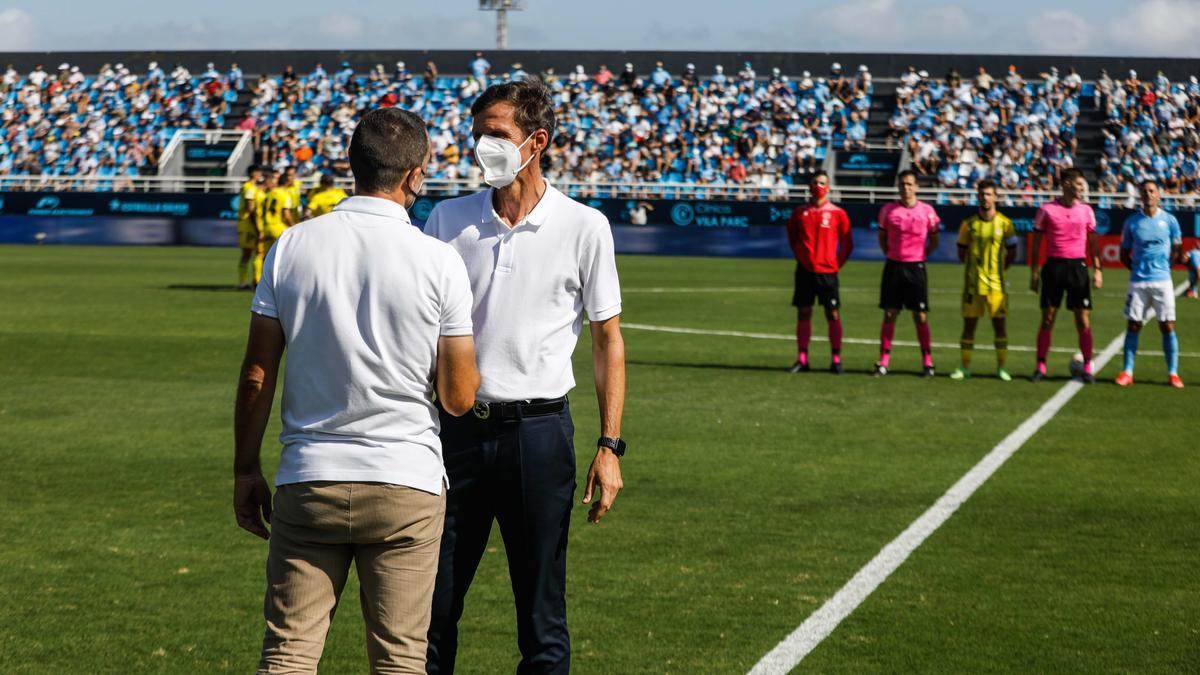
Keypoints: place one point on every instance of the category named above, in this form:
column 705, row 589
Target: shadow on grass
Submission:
column 744, row 367
column 214, row 288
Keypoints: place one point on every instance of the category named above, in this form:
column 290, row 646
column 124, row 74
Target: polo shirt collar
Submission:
column 374, row 206
column 535, row 218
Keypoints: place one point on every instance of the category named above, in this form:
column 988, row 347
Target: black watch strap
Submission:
column 615, row 444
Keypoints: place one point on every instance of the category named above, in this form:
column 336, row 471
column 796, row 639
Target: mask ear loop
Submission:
column 522, row 167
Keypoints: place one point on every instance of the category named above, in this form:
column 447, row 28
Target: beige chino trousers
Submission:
column 391, row 533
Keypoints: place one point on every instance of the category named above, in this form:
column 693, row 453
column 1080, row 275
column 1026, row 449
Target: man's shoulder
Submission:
column 471, row 205
column 576, row 213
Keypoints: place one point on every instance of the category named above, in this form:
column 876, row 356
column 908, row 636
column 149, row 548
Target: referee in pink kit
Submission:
column 908, row 233
column 1068, row 225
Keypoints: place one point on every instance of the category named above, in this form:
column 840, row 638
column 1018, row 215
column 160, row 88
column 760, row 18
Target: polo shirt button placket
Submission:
column 504, row 261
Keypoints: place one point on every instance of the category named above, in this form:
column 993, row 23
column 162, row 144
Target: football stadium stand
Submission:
column 719, row 126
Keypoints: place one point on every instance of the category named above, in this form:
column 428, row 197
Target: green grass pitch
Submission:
column 751, row 495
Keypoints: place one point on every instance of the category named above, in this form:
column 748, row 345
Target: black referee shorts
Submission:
column 810, row 286
column 905, row 285
column 1067, row 276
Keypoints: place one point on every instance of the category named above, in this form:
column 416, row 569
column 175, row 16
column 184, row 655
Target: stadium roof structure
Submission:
column 456, row 61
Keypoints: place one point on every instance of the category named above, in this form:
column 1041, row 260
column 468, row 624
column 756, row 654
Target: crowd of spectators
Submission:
column 620, row 126
column 1152, row 130
column 114, row 123
column 1020, row 133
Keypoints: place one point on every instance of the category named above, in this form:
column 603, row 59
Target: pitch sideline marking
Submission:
column 791, row 651
column 854, row 341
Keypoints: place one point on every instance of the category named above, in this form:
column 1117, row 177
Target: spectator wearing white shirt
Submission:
column 538, row 260
column 375, row 317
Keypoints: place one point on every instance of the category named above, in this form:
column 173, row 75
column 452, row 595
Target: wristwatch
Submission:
column 615, row 444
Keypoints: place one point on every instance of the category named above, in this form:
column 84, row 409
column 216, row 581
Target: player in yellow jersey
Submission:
column 248, row 224
column 295, row 188
column 277, row 215
column 987, row 243
column 324, row 198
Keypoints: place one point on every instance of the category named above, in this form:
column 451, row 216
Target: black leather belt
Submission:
column 515, row 410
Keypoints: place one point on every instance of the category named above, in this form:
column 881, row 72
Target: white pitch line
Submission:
column 791, row 651
column 854, row 341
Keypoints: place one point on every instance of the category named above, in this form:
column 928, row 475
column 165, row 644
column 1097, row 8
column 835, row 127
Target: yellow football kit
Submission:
column 986, row 243
column 323, row 201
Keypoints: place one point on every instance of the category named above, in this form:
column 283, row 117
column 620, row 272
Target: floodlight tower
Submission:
column 501, row 8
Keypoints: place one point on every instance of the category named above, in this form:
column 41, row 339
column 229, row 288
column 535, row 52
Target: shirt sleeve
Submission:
column 1010, row 233
column 1127, row 234
column 1091, row 225
column 598, row 273
column 1039, row 221
column 1176, row 232
column 881, row 220
column 264, row 295
column 431, row 223
column 964, row 234
column 457, row 301
column 935, row 223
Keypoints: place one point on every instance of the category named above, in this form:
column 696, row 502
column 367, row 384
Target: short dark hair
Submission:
column 387, row 144
column 985, row 184
column 326, row 180
column 1070, row 175
column 1148, row 181
column 905, row 174
column 817, row 174
column 533, row 108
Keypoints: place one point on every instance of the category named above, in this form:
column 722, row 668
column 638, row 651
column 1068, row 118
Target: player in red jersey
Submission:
column 819, row 235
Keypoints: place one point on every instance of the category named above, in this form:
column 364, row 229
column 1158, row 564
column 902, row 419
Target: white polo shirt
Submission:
column 362, row 296
column 531, row 285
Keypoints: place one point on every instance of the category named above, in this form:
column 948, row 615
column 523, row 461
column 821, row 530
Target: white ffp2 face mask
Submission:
column 500, row 159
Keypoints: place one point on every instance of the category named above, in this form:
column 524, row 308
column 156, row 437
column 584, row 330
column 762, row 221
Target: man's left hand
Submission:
column 1097, row 278
column 605, row 476
column 252, row 504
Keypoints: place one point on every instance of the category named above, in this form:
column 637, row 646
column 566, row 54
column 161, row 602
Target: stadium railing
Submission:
column 577, row 189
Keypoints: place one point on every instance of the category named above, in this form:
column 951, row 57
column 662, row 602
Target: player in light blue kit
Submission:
column 1193, row 267
column 1150, row 241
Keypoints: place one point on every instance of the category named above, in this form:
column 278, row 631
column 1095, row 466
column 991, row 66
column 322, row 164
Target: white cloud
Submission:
column 1059, row 31
column 1158, row 27
column 872, row 25
column 18, row 29
column 341, row 28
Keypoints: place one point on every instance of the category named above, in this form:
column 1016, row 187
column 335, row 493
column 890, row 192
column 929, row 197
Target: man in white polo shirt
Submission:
column 376, row 317
column 537, row 261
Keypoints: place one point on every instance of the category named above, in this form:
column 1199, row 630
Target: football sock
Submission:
column 1131, row 346
column 925, row 339
column 258, row 264
column 1085, row 347
column 1192, row 279
column 243, row 270
column 1171, row 351
column 835, row 340
column 1043, row 346
column 886, row 333
column 968, row 348
column 803, row 337
column 1001, row 352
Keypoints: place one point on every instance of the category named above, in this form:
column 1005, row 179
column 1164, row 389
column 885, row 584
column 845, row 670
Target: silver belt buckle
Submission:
column 482, row 410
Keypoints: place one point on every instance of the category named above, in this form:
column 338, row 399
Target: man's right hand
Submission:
column 1034, row 280
column 252, row 504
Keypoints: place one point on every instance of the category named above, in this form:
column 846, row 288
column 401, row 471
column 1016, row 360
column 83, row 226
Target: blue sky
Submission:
column 1105, row 27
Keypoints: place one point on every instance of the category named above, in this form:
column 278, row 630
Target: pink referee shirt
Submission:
column 1066, row 229
column 907, row 229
